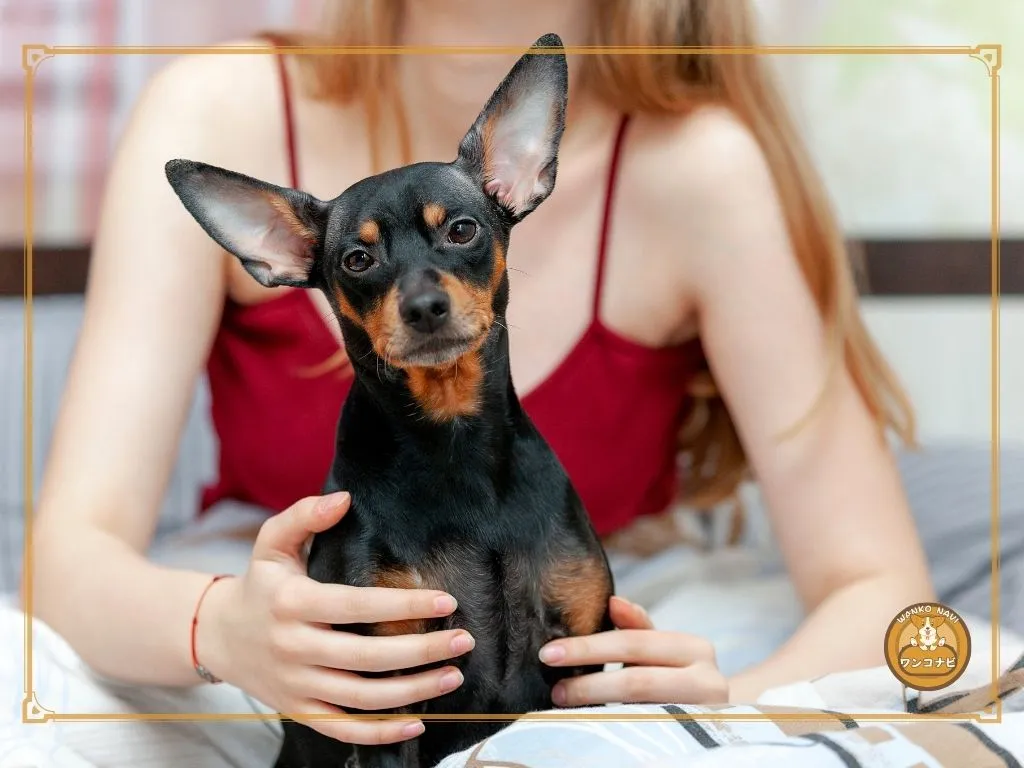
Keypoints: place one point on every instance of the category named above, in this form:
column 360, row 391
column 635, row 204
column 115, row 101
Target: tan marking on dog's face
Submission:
column 471, row 305
column 434, row 214
column 498, row 271
column 346, row 309
column 448, row 391
column 580, row 589
column 383, row 325
column 369, row 232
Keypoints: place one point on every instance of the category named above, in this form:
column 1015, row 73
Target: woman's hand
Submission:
column 269, row 632
column 661, row 667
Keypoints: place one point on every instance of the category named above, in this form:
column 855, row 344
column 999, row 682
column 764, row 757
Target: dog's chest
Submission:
column 514, row 548
column 511, row 599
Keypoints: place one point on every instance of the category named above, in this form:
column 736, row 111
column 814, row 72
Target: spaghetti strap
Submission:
column 609, row 195
column 289, row 120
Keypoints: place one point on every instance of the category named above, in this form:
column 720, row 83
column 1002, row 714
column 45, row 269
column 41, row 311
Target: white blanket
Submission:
column 63, row 684
column 739, row 597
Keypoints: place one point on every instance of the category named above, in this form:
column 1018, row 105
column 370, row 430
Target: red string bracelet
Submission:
column 202, row 671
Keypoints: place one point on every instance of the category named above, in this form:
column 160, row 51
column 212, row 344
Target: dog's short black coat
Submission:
column 452, row 486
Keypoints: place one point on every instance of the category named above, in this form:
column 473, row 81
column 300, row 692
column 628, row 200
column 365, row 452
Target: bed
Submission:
column 948, row 483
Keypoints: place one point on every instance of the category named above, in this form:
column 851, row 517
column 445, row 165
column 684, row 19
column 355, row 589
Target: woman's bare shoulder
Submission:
column 700, row 181
column 704, row 158
column 226, row 105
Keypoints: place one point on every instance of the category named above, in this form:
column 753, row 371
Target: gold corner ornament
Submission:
column 989, row 55
column 34, row 712
column 34, row 54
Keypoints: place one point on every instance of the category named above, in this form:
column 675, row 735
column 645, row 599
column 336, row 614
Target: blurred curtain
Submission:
column 81, row 102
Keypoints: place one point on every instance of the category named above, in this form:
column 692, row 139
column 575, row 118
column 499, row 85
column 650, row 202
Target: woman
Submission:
column 687, row 265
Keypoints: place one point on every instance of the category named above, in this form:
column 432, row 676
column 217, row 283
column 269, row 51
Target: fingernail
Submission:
column 635, row 606
column 462, row 643
column 445, row 604
column 558, row 695
column 412, row 729
column 331, row 501
column 551, row 654
column 451, row 681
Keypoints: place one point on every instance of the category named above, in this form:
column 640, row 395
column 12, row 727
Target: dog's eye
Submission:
column 358, row 261
column 461, row 232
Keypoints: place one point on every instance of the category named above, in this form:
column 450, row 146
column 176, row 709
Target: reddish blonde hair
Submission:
column 710, row 449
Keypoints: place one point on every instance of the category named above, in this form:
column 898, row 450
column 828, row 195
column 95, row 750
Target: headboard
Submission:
column 884, row 267
column 926, row 302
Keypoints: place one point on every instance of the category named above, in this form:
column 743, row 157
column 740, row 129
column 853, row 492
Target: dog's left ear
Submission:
column 512, row 148
column 276, row 232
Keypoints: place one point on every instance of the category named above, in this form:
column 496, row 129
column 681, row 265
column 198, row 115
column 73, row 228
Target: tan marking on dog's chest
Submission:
column 399, row 578
column 579, row 588
column 449, row 391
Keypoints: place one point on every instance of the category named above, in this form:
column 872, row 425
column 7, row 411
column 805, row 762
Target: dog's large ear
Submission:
column 274, row 231
column 512, row 148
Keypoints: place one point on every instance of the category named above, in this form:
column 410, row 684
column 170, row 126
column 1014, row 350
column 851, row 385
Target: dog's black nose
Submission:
column 426, row 309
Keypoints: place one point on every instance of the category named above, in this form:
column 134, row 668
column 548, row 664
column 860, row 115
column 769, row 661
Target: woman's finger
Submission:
column 304, row 599
column 307, row 644
column 628, row 615
column 283, row 535
column 699, row 684
column 629, row 646
column 348, row 690
column 354, row 730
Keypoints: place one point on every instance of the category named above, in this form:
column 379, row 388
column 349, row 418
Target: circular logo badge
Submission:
column 927, row 646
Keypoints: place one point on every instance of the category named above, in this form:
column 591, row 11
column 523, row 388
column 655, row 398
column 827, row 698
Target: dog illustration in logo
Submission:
column 927, row 637
column 927, row 653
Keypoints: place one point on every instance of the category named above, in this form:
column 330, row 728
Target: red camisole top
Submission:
column 610, row 410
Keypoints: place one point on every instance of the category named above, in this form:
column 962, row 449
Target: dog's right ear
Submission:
column 274, row 231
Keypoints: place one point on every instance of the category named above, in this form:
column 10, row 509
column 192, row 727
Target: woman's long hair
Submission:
column 711, row 453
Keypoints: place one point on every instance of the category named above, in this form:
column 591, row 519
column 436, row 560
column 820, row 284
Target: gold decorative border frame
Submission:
column 33, row 55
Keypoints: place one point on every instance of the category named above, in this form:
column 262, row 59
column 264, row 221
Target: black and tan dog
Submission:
column 452, row 486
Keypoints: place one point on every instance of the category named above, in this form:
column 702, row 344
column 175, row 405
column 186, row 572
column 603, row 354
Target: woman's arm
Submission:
column 155, row 292
column 832, row 489
column 153, row 302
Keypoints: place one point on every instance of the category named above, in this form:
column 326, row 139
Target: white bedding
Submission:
column 738, row 597
column 63, row 684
